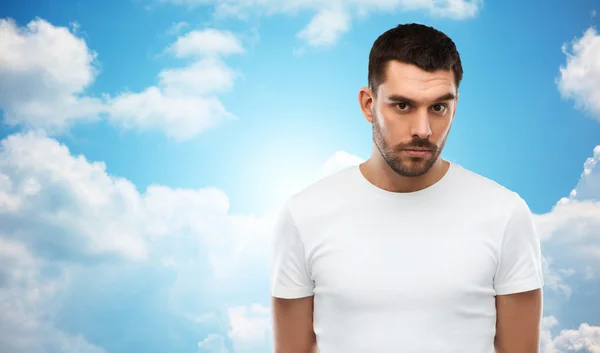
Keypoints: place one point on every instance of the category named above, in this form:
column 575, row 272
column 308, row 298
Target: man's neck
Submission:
column 379, row 173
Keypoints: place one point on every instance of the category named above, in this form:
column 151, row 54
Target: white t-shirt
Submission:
column 405, row 272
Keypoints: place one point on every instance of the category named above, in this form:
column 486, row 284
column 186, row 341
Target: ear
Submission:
column 366, row 101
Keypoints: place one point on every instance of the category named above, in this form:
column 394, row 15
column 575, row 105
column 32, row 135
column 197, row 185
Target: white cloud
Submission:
column 339, row 161
column 27, row 301
column 89, row 213
column 177, row 27
column 181, row 117
column 570, row 235
column 75, row 201
column 73, row 232
column 580, row 77
column 185, row 102
column 250, row 239
column 584, row 339
column 202, row 77
column 44, row 72
column 457, row 9
column 326, row 28
column 190, row 3
column 570, row 231
column 332, row 18
column 588, row 187
column 571, row 243
column 250, row 328
column 207, row 42
column 555, row 279
column 213, row 344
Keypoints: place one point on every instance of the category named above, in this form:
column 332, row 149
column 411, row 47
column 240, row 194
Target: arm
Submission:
column 518, row 284
column 518, row 322
column 291, row 289
column 293, row 325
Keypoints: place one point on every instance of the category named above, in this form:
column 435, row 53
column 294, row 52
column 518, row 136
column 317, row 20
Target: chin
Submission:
column 414, row 167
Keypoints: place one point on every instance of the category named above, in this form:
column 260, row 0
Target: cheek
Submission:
column 390, row 122
column 440, row 128
column 392, row 130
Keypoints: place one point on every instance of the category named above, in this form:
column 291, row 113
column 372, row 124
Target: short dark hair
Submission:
column 414, row 44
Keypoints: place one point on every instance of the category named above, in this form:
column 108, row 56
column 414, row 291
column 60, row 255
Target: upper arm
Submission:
column 291, row 289
column 518, row 284
column 519, row 322
column 293, row 325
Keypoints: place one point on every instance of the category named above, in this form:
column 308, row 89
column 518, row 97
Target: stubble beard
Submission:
column 419, row 167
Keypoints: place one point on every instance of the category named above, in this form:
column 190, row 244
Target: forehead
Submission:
column 412, row 82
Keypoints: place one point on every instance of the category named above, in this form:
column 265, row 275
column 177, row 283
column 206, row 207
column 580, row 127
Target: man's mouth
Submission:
column 417, row 152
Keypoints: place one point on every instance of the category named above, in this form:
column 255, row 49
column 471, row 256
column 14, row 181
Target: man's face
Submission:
column 412, row 116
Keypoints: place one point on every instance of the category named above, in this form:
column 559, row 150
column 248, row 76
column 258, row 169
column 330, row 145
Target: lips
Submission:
column 418, row 153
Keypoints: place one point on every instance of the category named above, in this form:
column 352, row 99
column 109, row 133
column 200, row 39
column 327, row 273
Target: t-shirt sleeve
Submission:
column 520, row 265
column 290, row 276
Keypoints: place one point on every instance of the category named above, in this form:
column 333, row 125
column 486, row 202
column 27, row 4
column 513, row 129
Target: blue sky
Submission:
column 147, row 144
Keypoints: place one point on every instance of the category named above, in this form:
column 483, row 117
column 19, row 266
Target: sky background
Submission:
column 146, row 146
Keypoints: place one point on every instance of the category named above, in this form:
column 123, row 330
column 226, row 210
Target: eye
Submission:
column 402, row 106
column 439, row 108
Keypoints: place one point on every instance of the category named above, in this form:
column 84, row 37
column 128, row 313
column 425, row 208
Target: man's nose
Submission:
column 420, row 125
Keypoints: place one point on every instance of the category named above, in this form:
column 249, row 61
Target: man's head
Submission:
column 414, row 75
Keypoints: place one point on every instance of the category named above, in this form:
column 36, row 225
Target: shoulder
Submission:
column 479, row 188
column 323, row 194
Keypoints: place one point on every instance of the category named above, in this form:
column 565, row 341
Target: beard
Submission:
column 409, row 166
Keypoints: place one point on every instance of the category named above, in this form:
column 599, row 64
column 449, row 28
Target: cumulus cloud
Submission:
column 72, row 233
column 579, row 78
column 46, row 70
column 180, row 117
column 250, row 328
column 584, row 339
column 83, row 210
column 570, row 232
column 185, row 102
column 570, row 235
column 89, row 213
column 332, row 19
column 44, row 74
column 203, row 77
column 177, row 27
column 28, row 289
column 213, row 344
column 207, row 42
column 555, row 279
column 339, row 161
column 326, row 28
column 588, row 187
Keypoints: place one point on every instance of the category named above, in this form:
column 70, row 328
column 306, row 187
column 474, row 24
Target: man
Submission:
column 407, row 252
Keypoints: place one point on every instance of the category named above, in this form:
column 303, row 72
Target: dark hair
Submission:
column 415, row 44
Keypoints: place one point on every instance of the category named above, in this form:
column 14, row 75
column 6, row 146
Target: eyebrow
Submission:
column 398, row 98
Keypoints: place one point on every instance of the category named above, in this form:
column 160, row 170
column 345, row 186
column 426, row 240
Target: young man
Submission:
column 407, row 252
